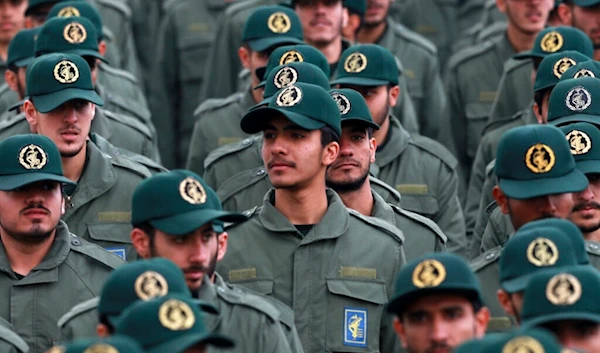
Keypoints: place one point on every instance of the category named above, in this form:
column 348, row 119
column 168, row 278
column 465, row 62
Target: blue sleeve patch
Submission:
column 120, row 252
column 355, row 327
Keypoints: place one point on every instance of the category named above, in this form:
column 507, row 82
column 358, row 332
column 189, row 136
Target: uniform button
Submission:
column 593, row 246
column 221, row 290
column 75, row 242
column 246, row 142
column 490, row 255
column 261, row 171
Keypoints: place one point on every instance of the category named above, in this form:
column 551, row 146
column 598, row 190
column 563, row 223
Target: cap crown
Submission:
column 76, row 35
column 588, row 68
column 573, row 97
column 553, row 66
column 296, row 53
column 288, row 74
column 78, row 9
column 56, row 72
column 567, row 227
column 352, row 105
column 29, row 154
column 370, row 61
column 272, row 21
column 553, row 39
column 22, row 46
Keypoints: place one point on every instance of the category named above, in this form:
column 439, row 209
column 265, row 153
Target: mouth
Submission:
column 194, row 275
column 35, row 212
column 70, row 134
column 534, row 16
column 320, row 23
column 279, row 165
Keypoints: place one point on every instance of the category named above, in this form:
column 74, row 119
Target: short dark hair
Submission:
column 538, row 98
column 147, row 228
column 472, row 297
column 328, row 136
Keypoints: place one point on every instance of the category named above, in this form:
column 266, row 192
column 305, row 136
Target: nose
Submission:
column 197, row 250
column 546, row 205
column 70, row 115
column 346, row 150
column 439, row 331
column 586, row 195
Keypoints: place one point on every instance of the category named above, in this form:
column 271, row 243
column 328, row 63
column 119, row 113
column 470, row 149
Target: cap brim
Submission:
column 574, row 181
column 11, row 182
column 24, row 62
column 181, row 344
column 256, row 120
column 260, row 73
column 51, row 101
column 31, row 9
column 575, row 118
column 517, row 284
column 361, row 121
column 527, row 55
column 260, row 85
column 263, row 44
column 184, row 223
column 544, row 319
column 18, row 104
column 588, row 166
column 398, row 304
column 359, row 81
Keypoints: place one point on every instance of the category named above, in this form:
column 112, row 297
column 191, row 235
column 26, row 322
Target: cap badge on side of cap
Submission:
column 68, row 11
column 540, row 158
column 584, row 73
column 56, row 349
column 279, row 23
column 579, row 141
column 101, row 348
column 429, row 273
column 355, row 63
column 66, row 72
column 578, row 99
column 342, row 101
column 542, row 252
column 289, row 97
column 552, row 42
column 150, row 285
column 33, row 157
column 176, row 315
column 291, row 57
column 523, row 344
column 285, row 77
column 192, row 191
column 562, row 65
column 75, row 33
column 563, row 289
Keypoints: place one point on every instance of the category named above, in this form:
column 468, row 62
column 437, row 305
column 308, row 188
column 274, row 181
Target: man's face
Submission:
column 16, row 80
column 377, row 98
column 377, row 11
column 438, row 323
column 31, row 213
column 39, row 16
column 527, row 16
column 587, row 19
column 512, row 303
column 357, row 152
column 322, row 20
column 252, row 60
column 586, row 212
column 12, row 18
column 577, row 334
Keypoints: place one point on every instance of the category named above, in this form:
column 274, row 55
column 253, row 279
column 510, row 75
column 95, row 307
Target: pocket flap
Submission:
column 371, row 292
column 477, row 110
column 112, row 232
column 260, row 286
column 421, row 204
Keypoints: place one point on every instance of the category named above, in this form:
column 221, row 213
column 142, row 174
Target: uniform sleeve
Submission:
column 495, row 233
column 501, row 107
column 405, row 110
column 434, row 106
column 476, row 181
column 482, row 217
column 272, row 340
column 197, row 152
column 129, row 56
column 293, row 339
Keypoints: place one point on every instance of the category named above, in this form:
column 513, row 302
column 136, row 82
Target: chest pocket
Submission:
column 354, row 311
column 425, row 204
column 260, row 286
column 113, row 237
column 193, row 51
column 477, row 116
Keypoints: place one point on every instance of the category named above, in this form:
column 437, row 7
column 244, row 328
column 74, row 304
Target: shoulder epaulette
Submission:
column 120, row 73
column 118, row 5
column 592, row 247
column 230, row 148
column 242, row 5
column 95, row 252
column 513, row 64
column 236, row 295
column 8, row 335
column 216, row 103
column 485, row 259
column 385, row 186
column 428, row 223
column 5, row 124
column 379, row 224
column 129, row 121
column 130, row 165
column 78, row 309
column 415, row 38
column 498, row 123
column 490, row 32
column 435, row 148
column 469, row 52
column 489, row 169
column 4, row 88
column 241, row 181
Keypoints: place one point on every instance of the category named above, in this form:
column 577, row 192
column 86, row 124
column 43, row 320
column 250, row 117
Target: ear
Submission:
column 222, row 242
column 30, row 114
column 565, row 14
column 11, row 80
column 244, row 55
column 501, row 5
column 393, row 95
column 482, row 318
column 501, row 199
column 102, row 47
column 102, row 331
column 141, row 242
column 62, row 206
column 372, row 149
column 345, row 17
column 29, row 23
column 331, row 152
column 93, row 108
column 399, row 328
column 504, row 300
column 537, row 110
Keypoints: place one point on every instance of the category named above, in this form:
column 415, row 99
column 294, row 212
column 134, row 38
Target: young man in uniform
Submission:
column 20, row 55
column 13, row 15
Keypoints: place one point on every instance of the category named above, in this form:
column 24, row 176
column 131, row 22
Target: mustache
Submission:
column 33, row 207
column 339, row 162
column 70, row 128
column 314, row 21
column 195, row 268
column 435, row 346
column 584, row 205
column 280, row 161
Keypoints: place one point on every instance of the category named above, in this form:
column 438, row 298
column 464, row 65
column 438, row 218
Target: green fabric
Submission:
column 358, row 7
column 353, row 107
column 573, row 100
column 367, row 65
column 116, row 343
column 523, row 338
column 554, row 66
column 269, row 26
column 497, row 229
column 293, row 53
column 288, row 74
column 561, row 38
column 589, row 68
column 21, row 48
column 583, row 138
column 32, row 4
column 10, row 342
column 586, row 3
column 79, row 9
column 70, row 35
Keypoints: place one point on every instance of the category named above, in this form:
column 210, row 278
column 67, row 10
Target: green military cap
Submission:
column 353, row 107
column 54, row 79
column 28, row 159
column 586, row 3
column 567, row 227
column 553, row 39
column 367, row 65
column 533, row 340
column 112, row 344
column 528, row 251
column 178, row 202
column 589, row 68
column 32, row 5
column 567, row 293
column 574, row 100
column 21, row 48
column 168, row 324
column 553, row 67
column 269, row 26
column 434, row 273
column 293, row 53
column 582, row 138
column 535, row 160
column 71, row 35
column 471, row 346
column 79, row 9
column 358, row 7
column 309, row 106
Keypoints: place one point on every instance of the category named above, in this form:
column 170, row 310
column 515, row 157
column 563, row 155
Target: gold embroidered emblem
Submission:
column 32, row 157
column 579, row 142
column 343, row 102
column 176, row 315
column 289, row 97
column 551, row 42
column 542, row 252
column 540, row 158
column 192, row 191
column 285, row 77
column 291, row 57
column 101, row 348
column 57, row 349
column 562, row 65
column 69, row 11
column 150, row 285
column 75, row 33
column 66, row 72
column 429, row 273
column 523, row 344
column 584, row 73
column 279, row 23
column 563, row 289
column 578, row 99
column 355, row 63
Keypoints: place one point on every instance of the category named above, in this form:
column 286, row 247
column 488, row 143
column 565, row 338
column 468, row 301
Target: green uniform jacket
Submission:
column 424, row 173
column 184, row 43
column 10, row 342
column 476, row 15
column 80, row 321
column 72, row 271
column 336, row 285
column 515, row 90
column 486, row 206
column 498, row 229
column 108, row 148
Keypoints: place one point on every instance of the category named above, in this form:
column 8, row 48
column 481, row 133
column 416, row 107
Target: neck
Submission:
column 306, row 206
column 381, row 134
column 24, row 257
column 593, row 236
column 371, row 34
column 3, row 51
column 73, row 166
column 332, row 50
column 360, row 200
column 597, row 54
column 519, row 40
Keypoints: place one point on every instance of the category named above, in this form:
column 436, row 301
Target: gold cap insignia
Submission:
column 150, row 285
column 66, row 72
column 579, row 141
column 429, row 273
column 101, row 348
column 540, row 158
column 279, row 23
column 285, row 77
column 563, row 289
column 584, row 73
column 578, row 99
column 57, row 349
column 75, row 33
column 343, row 102
column 192, row 191
column 32, row 157
column 542, row 252
column 552, row 42
column 289, row 97
column 523, row 344
column 562, row 65
column 355, row 63
column 291, row 56
column 68, row 11
column 176, row 315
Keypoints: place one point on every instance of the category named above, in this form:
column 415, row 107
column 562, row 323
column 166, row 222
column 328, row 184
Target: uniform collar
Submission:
column 504, row 50
column 382, row 210
column 208, row 293
column 101, row 125
column 395, row 144
column 245, row 103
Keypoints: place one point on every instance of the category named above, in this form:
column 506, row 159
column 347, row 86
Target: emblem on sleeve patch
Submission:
column 355, row 63
column 120, row 252
column 578, row 99
column 355, row 327
column 579, row 142
column 279, row 23
column 562, row 65
column 542, row 252
column 552, row 42
column 291, row 57
column 584, row 73
column 563, row 289
column 540, row 158
column 32, row 157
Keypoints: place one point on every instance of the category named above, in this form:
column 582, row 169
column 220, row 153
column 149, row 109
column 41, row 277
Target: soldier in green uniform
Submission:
column 356, row 12
column 584, row 15
column 422, row 170
column 437, row 304
column 10, row 342
column 308, row 251
column 490, row 24
column 109, row 345
column 45, row 269
column 13, row 15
